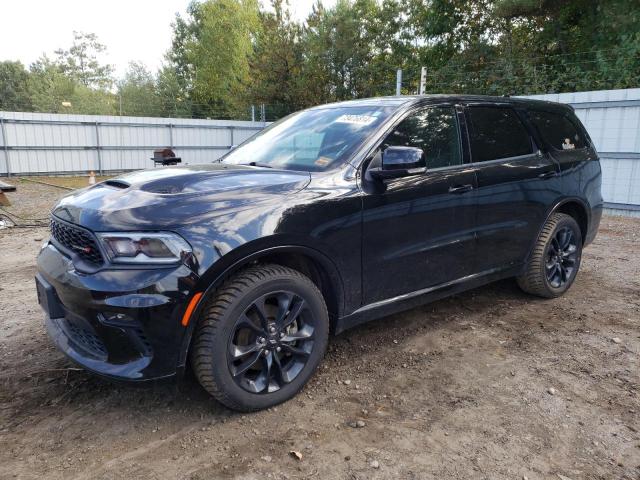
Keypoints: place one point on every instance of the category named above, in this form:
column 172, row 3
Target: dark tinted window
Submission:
column 497, row 133
column 556, row 129
column 435, row 131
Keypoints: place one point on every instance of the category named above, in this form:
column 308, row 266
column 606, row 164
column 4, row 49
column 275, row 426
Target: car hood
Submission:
column 175, row 196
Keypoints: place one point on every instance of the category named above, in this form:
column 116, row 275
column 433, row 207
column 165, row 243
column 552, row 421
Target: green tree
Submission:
column 52, row 90
column 229, row 54
column 14, row 87
column 211, row 50
column 343, row 48
column 80, row 62
column 575, row 45
column 137, row 93
column 277, row 62
column 173, row 97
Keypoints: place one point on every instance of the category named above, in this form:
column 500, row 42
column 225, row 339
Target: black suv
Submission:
column 326, row 219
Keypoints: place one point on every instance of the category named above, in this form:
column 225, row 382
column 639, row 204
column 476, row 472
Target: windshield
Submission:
column 311, row 140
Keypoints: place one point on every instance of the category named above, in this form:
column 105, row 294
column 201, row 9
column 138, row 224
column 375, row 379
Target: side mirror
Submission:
column 399, row 162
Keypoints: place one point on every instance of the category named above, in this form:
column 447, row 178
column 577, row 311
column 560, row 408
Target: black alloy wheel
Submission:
column 271, row 342
column 561, row 257
column 260, row 337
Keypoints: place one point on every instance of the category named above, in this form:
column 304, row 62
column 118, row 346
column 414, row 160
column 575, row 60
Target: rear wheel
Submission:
column 261, row 337
column 555, row 259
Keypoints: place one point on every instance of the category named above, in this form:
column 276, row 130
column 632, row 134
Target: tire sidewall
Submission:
column 569, row 222
column 220, row 368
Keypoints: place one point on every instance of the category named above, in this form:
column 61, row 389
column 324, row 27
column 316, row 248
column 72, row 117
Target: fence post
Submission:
column 98, row 148
column 231, row 130
column 423, row 80
column 3, row 131
column 171, row 136
column 399, row 82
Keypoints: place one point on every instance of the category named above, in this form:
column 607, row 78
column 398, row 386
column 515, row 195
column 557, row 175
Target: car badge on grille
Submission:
column 82, row 249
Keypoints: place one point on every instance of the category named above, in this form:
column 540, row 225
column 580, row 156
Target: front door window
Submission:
column 435, row 131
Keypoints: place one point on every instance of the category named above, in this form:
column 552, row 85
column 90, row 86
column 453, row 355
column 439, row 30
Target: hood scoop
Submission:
column 117, row 184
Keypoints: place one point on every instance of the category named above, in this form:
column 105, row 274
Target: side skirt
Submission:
column 410, row 300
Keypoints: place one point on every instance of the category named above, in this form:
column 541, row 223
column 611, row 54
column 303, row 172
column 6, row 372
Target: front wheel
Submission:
column 260, row 338
column 555, row 259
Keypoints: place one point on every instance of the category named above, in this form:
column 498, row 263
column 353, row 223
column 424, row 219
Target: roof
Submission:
column 402, row 100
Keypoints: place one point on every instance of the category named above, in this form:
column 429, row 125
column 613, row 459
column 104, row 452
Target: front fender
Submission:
column 241, row 257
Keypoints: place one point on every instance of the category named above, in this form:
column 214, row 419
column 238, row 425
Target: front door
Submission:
column 419, row 232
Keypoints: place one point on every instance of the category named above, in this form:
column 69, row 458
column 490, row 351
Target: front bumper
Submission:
column 122, row 323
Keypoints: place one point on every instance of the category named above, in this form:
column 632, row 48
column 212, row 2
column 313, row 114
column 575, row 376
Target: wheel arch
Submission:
column 576, row 209
column 572, row 206
column 308, row 261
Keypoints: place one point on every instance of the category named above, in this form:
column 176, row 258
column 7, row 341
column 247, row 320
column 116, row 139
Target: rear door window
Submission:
column 497, row 132
column 557, row 130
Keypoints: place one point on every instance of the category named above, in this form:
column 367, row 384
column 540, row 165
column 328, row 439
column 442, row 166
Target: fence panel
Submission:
column 38, row 143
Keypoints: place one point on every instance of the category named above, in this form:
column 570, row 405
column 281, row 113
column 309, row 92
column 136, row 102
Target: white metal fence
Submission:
column 612, row 118
column 38, row 143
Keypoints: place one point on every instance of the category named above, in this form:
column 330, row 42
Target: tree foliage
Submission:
column 211, row 51
column 53, row 90
column 354, row 48
column 137, row 92
column 80, row 62
column 277, row 61
column 227, row 55
column 14, row 87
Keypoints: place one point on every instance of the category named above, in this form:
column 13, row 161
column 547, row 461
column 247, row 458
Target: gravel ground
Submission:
column 490, row 384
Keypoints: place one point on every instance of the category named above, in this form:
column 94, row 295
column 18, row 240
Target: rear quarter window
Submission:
column 558, row 130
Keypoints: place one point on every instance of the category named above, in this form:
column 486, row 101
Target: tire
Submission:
column 237, row 325
column 555, row 260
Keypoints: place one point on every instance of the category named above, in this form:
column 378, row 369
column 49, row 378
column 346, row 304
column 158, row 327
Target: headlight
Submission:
column 142, row 247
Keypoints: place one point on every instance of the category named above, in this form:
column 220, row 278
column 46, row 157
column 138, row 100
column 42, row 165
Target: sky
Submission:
column 132, row 30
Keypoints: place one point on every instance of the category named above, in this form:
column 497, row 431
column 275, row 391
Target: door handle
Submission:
column 461, row 188
column 549, row 174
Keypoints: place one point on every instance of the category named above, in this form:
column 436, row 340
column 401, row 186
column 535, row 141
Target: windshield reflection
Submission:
column 312, row 140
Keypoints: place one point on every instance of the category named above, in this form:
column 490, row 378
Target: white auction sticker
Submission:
column 356, row 119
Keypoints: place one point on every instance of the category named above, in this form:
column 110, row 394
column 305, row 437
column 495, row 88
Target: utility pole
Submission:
column 399, row 82
column 120, row 97
column 423, row 80
column 253, row 113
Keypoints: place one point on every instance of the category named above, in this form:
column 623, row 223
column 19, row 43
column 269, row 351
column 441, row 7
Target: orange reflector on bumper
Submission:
column 190, row 308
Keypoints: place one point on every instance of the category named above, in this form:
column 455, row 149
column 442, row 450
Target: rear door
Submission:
column 516, row 184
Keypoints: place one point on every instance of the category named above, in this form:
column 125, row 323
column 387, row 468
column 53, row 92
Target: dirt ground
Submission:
column 490, row 384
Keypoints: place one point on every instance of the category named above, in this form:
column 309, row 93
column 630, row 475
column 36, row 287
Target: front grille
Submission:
column 77, row 240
